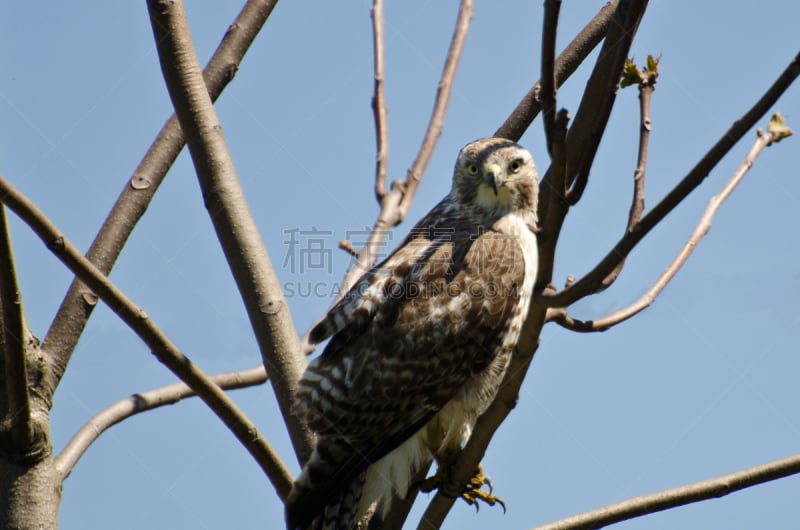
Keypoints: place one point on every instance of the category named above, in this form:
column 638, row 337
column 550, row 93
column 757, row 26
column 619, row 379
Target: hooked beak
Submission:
column 494, row 176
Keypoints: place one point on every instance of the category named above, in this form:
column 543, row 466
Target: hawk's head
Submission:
column 497, row 175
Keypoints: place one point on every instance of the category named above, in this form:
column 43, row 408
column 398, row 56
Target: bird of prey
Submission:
column 419, row 345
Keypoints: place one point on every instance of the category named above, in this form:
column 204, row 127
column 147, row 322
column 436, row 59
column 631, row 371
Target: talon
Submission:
column 471, row 493
column 488, row 482
column 472, row 496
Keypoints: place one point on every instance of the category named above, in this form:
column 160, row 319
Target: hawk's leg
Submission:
column 471, row 492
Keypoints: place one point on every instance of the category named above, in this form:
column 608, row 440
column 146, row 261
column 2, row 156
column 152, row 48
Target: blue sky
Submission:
column 702, row 383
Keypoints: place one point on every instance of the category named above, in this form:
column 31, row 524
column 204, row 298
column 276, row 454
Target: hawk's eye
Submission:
column 515, row 165
column 472, row 168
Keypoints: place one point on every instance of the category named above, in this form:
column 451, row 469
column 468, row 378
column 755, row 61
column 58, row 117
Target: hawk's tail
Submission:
column 342, row 510
column 322, row 499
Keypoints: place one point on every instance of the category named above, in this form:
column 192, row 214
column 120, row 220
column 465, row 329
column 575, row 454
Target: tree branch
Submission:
column 379, row 104
column 680, row 496
column 588, row 125
column 775, row 133
column 567, row 62
column 12, row 343
column 547, row 92
column 79, row 302
column 646, row 80
column 234, row 225
column 558, row 151
column 395, row 204
column 141, row 402
column 646, row 88
column 593, row 279
column 436, row 123
column 600, row 95
column 166, row 352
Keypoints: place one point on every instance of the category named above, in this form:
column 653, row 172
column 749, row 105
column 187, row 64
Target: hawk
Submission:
column 419, row 345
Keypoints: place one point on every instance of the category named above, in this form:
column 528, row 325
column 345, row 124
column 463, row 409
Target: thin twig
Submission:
column 79, row 302
column 230, row 215
column 379, row 104
column 436, row 123
column 646, row 83
column 589, row 283
column 567, row 62
column 396, row 203
column 166, row 352
column 12, row 343
column 775, row 132
column 547, row 92
column 399, row 199
column 141, row 402
column 348, row 247
column 680, row 496
column 645, row 127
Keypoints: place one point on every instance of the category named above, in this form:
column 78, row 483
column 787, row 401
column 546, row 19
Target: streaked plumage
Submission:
column 420, row 344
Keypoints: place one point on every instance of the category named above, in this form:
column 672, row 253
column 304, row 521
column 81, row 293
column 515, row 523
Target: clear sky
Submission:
column 703, row 383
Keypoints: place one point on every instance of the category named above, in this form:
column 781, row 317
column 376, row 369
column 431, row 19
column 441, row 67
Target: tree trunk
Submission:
column 30, row 494
column 30, row 485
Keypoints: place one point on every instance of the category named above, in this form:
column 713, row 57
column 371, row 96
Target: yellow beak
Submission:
column 494, row 176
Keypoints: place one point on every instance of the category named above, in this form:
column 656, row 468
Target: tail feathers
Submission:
column 341, row 513
column 328, row 491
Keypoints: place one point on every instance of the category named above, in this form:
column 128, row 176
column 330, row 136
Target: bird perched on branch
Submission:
column 420, row 344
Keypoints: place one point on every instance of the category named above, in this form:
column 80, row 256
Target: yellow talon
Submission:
column 471, row 493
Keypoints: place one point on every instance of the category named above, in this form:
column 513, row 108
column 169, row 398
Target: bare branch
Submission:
column 587, row 127
column 234, row 225
column 600, row 95
column 141, row 402
column 593, row 280
column 547, row 92
column 79, row 302
column 558, row 151
column 567, row 62
column 348, row 247
column 379, row 104
column 775, row 132
column 166, row 352
column 680, row 496
column 646, row 80
column 439, row 109
column 395, row 204
column 646, row 89
column 12, row 343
